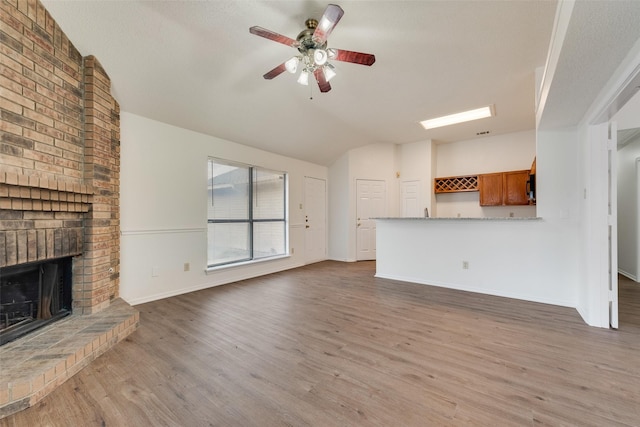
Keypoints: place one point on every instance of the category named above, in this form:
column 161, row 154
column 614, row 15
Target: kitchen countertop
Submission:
column 534, row 218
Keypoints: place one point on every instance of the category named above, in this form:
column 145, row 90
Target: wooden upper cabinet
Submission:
column 515, row 188
column 533, row 167
column 490, row 186
column 504, row 188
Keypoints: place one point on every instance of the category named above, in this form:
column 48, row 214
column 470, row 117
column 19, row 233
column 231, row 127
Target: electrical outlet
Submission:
column 465, row 265
column 187, row 266
column 510, row 214
column 155, row 272
column 292, row 251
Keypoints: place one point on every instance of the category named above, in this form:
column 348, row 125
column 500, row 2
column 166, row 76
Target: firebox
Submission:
column 33, row 295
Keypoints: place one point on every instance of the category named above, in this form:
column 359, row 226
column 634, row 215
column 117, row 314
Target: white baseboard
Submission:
column 172, row 293
column 481, row 291
column 628, row 275
column 244, row 275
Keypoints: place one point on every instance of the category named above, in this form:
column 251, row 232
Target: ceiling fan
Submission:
column 314, row 55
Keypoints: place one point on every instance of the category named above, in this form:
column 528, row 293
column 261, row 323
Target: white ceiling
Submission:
column 194, row 64
column 600, row 36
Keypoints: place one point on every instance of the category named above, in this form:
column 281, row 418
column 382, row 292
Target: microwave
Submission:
column 531, row 188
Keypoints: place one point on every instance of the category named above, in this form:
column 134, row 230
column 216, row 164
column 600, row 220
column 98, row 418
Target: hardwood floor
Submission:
column 330, row 345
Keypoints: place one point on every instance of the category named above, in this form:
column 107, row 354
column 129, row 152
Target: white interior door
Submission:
column 612, row 144
column 315, row 233
column 371, row 203
column 410, row 193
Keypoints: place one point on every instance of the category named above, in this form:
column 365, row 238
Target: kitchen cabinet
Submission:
column 504, row 188
column 490, row 186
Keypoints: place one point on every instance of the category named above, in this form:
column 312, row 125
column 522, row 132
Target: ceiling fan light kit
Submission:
column 320, row 57
column 292, row 64
column 303, row 79
column 329, row 71
column 314, row 55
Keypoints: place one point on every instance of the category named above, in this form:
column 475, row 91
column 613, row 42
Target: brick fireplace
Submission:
column 59, row 196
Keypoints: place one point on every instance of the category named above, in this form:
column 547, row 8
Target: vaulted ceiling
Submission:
column 195, row 65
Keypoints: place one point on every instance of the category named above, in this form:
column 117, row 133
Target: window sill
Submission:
column 209, row 270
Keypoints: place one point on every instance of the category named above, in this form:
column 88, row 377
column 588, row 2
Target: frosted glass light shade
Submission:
column 329, row 72
column 304, row 78
column 292, row 65
column 320, row 57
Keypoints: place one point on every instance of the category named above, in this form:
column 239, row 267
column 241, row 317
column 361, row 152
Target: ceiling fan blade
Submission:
column 268, row 34
column 275, row 72
column 323, row 84
column 354, row 57
column 327, row 23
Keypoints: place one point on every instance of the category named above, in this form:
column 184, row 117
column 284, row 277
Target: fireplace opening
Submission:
column 33, row 295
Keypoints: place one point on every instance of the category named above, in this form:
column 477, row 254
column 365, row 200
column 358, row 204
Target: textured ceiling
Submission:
column 599, row 37
column 195, row 65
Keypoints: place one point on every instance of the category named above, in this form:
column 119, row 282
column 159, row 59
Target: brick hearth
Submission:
column 35, row 365
column 59, row 196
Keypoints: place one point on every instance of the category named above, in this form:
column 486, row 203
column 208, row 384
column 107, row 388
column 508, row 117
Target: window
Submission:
column 246, row 213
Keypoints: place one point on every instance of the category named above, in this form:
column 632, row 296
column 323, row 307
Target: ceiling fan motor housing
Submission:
column 305, row 38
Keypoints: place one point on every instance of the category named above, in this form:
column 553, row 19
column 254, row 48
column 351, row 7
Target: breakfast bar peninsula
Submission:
column 496, row 256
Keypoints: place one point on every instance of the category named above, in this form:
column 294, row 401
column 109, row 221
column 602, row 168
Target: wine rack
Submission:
column 454, row 184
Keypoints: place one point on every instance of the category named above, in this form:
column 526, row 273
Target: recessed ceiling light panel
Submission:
column 465, row 116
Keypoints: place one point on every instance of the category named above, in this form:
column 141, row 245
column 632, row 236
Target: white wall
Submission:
column 557, row 187
column 629, row 115
column 628, row 233
column 500, row 153
column 523, row 259
column 416, row 162
column 163, row 198
column 374, row 162
column 512, row 151
column 339, row 209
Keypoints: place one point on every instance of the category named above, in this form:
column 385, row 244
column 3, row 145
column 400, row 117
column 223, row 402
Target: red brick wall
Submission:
column 59, row 154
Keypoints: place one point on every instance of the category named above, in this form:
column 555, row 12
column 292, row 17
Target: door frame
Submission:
column 612, row 213
column 602, row 261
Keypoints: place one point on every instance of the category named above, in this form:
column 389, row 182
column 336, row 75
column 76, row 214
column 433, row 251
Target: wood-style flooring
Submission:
column 330, row 345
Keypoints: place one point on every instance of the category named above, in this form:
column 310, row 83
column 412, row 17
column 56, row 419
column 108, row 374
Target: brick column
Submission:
column 97, row 272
